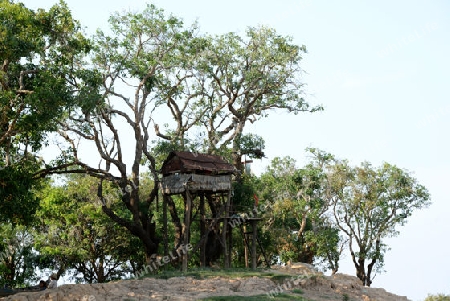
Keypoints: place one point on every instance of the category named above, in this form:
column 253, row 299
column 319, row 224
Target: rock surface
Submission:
column 312, row 283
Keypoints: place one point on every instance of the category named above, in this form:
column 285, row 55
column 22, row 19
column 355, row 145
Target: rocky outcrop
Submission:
column 313, row 284
column 178, row 288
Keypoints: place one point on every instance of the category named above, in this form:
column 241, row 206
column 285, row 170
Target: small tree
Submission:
column 368, row 205
column 17, row 257
column 297, row 217
column 72, row 230
column 439, row 297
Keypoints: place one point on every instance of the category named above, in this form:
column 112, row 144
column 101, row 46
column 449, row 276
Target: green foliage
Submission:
column 244, row 193
column 438, row 297
column 243, row 63
column 17, row 187
column 297, row 291
column 299, row 227
column 17, row 258
column 369, row 204
column 19, row 32
column 251, row 145
column 75, row 232
column 40, row 53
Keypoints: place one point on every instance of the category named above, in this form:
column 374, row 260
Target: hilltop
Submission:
column 298, row 282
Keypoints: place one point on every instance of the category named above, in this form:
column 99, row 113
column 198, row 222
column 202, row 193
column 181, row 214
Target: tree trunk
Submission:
column 237, row 162
column 359, row 264
column 213, row 247
column 361, row 270
column 10, row 275
column 373, row 262
column 175, row 220
column 146, row 236
column 369, row 272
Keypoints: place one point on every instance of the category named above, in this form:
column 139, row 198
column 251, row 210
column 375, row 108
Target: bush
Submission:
column 440, row 297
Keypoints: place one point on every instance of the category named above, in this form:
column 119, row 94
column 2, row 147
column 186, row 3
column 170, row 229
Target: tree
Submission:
column 245, row 79
column 142, row 46
column 301, row 228
column 40, row 55
column 81, row 239
column 227, row 81
column 151, row 62
column 237, row 80
column 368, row 205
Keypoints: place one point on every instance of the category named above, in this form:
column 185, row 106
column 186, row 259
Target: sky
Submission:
column 381, row 71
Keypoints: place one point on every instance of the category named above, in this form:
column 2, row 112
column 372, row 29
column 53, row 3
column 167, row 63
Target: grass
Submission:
column 297, row 291
column 206, row 273
column 226, row 273
column 280, row 297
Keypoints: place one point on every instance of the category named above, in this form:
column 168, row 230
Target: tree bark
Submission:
column 178, row 228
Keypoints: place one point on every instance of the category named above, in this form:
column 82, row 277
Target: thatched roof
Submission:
column 196, row 163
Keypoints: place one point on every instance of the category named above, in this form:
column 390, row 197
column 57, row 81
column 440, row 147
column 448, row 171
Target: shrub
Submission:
column 439, row 297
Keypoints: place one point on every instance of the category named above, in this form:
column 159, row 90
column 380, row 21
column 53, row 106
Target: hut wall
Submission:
column 177, row 183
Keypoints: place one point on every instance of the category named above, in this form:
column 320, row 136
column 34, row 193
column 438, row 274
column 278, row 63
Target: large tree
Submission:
column 132, row 62
column 228, row 82
column 369, row 203
column 236, row 80
column 247, row 78
column 153, row 68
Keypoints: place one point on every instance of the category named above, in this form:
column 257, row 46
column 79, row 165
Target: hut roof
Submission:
column 188, row 162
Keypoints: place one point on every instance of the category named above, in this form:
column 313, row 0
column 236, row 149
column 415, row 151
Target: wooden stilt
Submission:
column 244, row 234
column 202, row 231
column 187, row 226
column 165, row 242
column 254, row 242
column 224, row 234
column 230, row 232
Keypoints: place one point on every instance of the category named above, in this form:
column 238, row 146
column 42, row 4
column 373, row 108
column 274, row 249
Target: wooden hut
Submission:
column 192, row 175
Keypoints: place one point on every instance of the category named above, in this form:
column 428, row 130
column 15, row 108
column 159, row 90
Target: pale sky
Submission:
column 381, row 70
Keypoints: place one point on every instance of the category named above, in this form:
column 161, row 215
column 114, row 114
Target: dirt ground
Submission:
column 301, row 278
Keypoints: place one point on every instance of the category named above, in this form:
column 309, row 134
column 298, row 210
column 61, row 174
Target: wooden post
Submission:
column 255, row 237
column 202, row 231
column 230, row 245
column 166, row 244
column 245, row 245
column 224, row 234
column 187, row 226
column 230, row 232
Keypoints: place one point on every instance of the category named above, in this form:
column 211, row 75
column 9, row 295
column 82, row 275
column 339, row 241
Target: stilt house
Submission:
column 199, row 175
